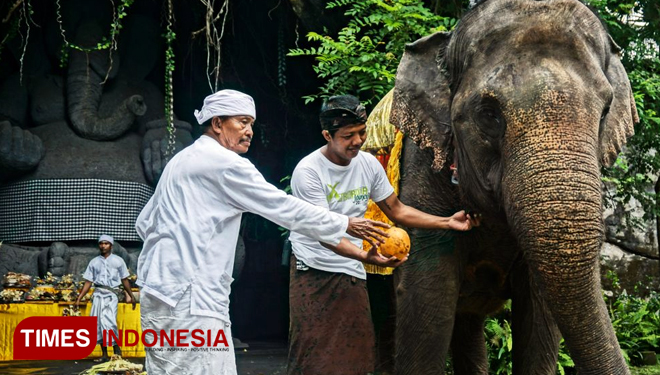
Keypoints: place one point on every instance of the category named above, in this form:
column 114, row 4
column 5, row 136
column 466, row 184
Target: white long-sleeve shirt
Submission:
column 190, row 225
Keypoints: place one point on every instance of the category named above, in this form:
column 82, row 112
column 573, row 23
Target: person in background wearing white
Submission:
column 190, row 227
column 106, row 272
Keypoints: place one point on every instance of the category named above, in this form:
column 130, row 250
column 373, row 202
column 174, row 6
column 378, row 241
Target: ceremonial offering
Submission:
column 71, row 311
column 116, row 365
column 66, row 282
column 16, row 280
column 397, row 244
column 48, row 280
column 41, row 294
column 12, row 296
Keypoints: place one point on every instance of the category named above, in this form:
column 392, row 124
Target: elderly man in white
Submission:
column 106, row 271
column 190, row 228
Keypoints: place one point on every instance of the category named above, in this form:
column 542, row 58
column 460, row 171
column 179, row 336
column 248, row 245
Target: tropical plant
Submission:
column 499, row 342
column 499, row 345
column 106, row 43
column 636, row 319
column 363, row 57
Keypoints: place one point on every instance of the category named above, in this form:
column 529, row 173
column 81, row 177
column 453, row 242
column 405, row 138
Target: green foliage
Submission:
column 499, row 342
column 170, row 37
column 499, row 345
column 637, row 324
column 646, row 370
column 106, row 43
column 636, row 320
column 363, row 57
column 564, row 360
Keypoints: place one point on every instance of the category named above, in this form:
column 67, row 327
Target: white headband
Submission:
column 226, row 103
column 107, row 238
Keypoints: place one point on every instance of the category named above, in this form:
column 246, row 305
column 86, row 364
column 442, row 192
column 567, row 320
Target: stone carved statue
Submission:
column 80, row 147
column 103, row 100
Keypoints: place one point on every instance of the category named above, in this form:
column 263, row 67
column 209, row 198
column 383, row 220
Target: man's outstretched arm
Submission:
column 414, row 218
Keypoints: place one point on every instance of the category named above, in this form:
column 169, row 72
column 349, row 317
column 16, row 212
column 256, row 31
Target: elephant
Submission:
column 528, row 99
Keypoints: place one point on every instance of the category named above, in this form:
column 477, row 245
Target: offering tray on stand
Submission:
column 10, row 295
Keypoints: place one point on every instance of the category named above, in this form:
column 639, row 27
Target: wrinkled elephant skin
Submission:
column 529, row 99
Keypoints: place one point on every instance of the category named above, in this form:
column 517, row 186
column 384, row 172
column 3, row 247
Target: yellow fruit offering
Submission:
column 397, row 244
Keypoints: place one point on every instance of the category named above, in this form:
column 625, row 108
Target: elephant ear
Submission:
column 618, row 123
column 421, row 104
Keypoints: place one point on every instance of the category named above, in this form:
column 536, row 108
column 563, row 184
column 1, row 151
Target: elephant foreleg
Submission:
column 468, row 347
column 535, row 332
column 426, row 298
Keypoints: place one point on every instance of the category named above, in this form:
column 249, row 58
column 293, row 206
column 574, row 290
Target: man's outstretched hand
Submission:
column 374, row 257
column 367, row 230
column 462, row 221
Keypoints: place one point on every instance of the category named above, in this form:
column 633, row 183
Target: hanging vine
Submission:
column 25, row 15
column 117, row 15
column 27, row 11
column 281, row 55
column 170, row 36
column 13, row 28
column 11, row 10
column 213, row 40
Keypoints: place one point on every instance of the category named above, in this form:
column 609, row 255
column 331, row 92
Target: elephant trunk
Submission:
column 86, row 74
column 553, row 188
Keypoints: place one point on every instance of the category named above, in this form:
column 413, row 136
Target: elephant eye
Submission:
column 489, row 119
column 604, row 114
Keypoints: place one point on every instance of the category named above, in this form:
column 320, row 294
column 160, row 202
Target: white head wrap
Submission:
column 107, row 238
column 226, row 103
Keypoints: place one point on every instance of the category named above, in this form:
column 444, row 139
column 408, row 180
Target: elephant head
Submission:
column 530, row 98
column 87, row 74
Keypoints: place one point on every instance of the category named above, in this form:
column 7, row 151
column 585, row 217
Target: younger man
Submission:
column 107, row 271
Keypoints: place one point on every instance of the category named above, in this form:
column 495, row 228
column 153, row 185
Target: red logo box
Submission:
column 55, row 337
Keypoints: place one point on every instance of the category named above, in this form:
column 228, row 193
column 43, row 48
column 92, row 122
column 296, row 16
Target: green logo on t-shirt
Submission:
column 359, row 194
column 333, row 191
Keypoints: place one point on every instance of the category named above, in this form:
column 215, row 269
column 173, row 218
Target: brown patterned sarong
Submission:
column 330, row 330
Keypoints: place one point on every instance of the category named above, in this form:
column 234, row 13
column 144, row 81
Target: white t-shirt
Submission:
column 190, row 225
column 342, row 189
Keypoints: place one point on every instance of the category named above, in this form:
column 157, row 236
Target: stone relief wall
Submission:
column 631, row 250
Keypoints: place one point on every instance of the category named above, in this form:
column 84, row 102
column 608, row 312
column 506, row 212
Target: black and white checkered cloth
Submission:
column 71, row 209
